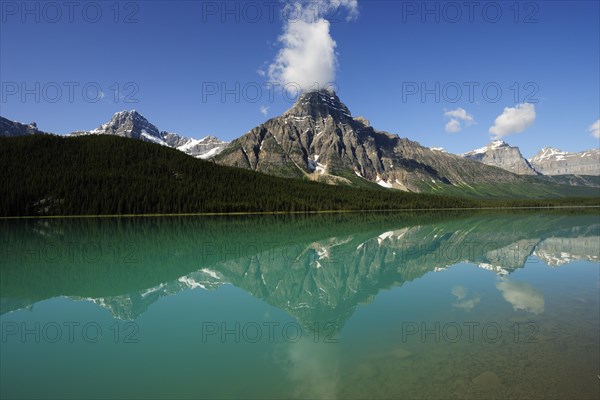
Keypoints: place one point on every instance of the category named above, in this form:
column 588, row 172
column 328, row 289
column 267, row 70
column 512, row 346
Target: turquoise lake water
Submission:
column 389, row 305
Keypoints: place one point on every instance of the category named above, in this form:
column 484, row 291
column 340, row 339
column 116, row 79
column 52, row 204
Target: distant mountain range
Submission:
column 132, row 125
column 548, row 161
column 319, row 139
column 551, row 161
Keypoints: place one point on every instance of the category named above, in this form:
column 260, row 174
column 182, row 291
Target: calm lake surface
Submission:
column 377, row 305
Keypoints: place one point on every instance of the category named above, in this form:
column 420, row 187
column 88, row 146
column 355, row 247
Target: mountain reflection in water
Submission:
column 392, row 297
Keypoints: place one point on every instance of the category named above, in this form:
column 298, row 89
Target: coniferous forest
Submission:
column 106, row 175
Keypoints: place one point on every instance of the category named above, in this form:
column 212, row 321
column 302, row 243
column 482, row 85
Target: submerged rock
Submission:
column 487, row 380
column 401, row 353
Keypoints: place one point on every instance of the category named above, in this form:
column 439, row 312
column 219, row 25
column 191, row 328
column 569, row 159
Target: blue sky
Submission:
column 167, row 59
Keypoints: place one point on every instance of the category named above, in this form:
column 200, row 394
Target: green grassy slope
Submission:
column 530, row 187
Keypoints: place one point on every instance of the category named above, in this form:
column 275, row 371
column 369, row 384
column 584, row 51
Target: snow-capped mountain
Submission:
column 133, row 125
column 500, row 154
column 552, row 161
column 129, row 124
column 319, row 139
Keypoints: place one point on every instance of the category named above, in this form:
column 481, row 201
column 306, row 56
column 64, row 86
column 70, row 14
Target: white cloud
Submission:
column 457, row 117
column 307, row 58
column 513, row 120
column 264, row 110
column 459, row 113
column 453, row 126
column 594, row 129
column 522, row 296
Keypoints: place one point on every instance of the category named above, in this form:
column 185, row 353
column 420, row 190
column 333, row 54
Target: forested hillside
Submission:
column 104, row 175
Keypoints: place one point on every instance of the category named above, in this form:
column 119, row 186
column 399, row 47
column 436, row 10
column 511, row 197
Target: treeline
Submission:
column 107, row 175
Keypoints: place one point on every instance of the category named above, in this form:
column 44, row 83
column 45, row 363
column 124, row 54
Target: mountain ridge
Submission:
column 318, row 139
column 552, row 161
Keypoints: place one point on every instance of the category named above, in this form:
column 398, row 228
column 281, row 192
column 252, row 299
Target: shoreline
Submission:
column 240, row 213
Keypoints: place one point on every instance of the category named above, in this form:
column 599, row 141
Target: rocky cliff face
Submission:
column 10, row 128
column 318, row 138
column 133, row 125
column 502, row 155
column 551, row 161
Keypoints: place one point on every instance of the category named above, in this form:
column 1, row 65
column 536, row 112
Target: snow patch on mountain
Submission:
column 548, row 153
column 153, row 139
column 496, row 144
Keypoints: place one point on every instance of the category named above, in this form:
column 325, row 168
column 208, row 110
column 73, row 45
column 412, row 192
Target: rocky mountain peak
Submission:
column 502, row 155
column 319, row 104
column 130, row 124
column 547, row 153
column 498, row 143
column 128, row 115
column 132, row 113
